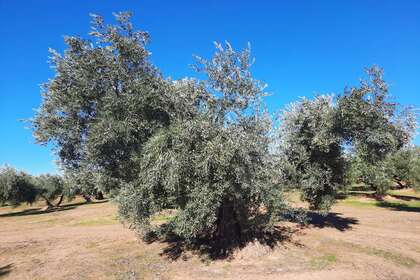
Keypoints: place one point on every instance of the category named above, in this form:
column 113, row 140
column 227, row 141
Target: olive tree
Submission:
column 314, row 134
column 404, row 167
column 87, row 183
column 374, row 126
column 201, row 147
column 16, row 187
column 215, row 168
column 49, row 188
column 310, row 150
column 375, row 177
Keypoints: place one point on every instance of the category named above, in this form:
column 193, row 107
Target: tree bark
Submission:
column 99, row 196
column 49, row 204
column 400, row 184
column 228, row 229
column 87, row 198
column 59, row 201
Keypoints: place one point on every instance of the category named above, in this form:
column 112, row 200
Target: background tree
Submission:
column 310, row 150
column 375, row 177
column 86, row 183
column 374, row 126
column 16, row 187
column 315, row 133
column 49, row 188
column 404, row 167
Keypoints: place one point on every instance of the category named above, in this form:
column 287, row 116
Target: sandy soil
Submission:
column 85, row 241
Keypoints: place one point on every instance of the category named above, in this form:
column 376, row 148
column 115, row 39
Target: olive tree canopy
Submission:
column 201, row 147
column 105, row 100
column 215, row 168
column 315, row 134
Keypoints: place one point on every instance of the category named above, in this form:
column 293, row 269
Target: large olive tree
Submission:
column 215, row 168
column 201, row 147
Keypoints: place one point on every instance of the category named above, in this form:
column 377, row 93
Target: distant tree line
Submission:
column 17, row 187
column 208, row 147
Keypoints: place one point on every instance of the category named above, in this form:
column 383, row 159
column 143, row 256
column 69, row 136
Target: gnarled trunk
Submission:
column 59, row 201
column 87, row 198
column 47, row 201
column 228, row 229
column 399, row 182
column 99, row 196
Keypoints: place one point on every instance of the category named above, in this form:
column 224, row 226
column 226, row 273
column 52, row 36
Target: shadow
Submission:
column 332, row 220
column 398, row 206
column 211, row 249
column 40, row 211
column 405, row 197
column 84, row 203
column 36, row 211
column 4, row 270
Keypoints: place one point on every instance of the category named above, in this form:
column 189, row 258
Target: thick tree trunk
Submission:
column 87, row 198
column 228, row 232
column 400, row 184
column 99, row 196
column 379, row 195
column 49, row 205
column 59, row 201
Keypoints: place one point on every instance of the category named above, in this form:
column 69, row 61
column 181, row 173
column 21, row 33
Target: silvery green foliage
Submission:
column 16, row 187
column 198, row 146
column 404, row 167
column 49, row 187
column 372, row 123
column 89, row 183
column 310, row 154
column 375, row 176
column 214, row 168
column 314, row 133
column 375, row 127
column 105, row 100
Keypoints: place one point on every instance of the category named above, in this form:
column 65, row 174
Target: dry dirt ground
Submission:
column 360, row 239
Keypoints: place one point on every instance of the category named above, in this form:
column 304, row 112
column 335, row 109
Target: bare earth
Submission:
column 85, row 241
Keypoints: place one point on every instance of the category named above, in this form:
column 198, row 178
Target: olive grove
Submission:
column 17, row 187
column 204, row 147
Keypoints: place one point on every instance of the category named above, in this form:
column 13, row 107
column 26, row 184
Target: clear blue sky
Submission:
column 301, row 47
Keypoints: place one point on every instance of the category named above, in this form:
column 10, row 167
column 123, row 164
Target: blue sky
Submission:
column 302, row 48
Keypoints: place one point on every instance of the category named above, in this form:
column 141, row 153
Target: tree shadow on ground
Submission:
column 37, row 211
column 405, row 197
column 85, row 203
column 206, row 249
column 4, row 270
column 332, row 220
column 398, row 206
column 40, row 211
